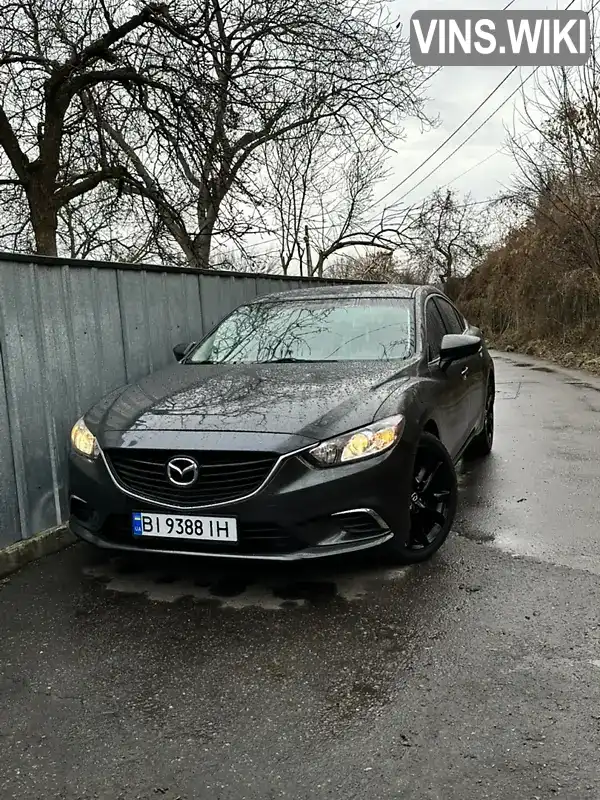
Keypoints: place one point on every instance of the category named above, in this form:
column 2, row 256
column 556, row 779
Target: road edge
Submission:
column 19, row 554
column 576, row 373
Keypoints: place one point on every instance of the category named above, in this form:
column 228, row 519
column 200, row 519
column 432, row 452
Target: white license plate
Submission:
column 179, row 526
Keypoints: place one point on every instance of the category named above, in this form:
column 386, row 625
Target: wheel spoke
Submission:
column 420, row 476
column 436, row 517
column 419, row 535
column 430, row 478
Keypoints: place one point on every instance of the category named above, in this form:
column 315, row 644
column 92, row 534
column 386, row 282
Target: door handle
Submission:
column 464, row 372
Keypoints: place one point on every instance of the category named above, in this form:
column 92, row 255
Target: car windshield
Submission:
column 312, row 330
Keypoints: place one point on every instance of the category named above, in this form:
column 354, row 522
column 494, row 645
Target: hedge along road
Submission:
column 475, row 676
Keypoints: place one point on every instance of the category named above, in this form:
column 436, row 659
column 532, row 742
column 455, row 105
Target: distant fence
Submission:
column 70, row 331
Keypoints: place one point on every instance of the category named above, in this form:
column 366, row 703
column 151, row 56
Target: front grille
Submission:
column 360, row 524
column 255, row 538
column 223, row 477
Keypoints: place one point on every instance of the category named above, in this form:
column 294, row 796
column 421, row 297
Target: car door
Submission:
column 451, row 395
column 471, row 368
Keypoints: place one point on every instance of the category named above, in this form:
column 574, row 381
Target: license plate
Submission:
column 178, row 526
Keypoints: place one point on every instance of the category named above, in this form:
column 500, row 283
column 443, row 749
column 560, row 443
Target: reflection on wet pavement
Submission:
column 545, row 460
column 228, row 586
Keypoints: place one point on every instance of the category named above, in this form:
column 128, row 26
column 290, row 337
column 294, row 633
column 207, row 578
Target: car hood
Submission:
column 308, row 400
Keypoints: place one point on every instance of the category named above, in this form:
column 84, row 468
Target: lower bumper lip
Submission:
column 319, row 551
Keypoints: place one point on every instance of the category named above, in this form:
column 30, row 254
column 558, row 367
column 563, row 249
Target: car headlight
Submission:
column 362, row 443
column 83, row 440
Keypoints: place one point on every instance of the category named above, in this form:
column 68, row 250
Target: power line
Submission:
column 439, row 69
column 449, row 138
column 471, row 135
column 483, row 161
column 454, row 132
column 452, row 135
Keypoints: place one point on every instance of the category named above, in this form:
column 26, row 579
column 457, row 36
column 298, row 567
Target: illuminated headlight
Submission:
column 368, row 441
column 83, row 440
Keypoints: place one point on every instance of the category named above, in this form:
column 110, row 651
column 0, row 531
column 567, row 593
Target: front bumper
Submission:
column 299, row 513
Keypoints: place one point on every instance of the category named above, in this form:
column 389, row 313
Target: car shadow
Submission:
column 240, row 583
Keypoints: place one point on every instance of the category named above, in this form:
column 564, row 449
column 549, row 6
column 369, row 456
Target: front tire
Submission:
column 433, row 499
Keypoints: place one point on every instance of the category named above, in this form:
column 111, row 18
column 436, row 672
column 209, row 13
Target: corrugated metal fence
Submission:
column 70, row 331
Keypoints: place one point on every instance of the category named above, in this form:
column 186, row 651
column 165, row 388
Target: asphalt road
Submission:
column 474, row 676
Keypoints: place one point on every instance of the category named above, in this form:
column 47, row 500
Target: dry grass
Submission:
column 539, row 293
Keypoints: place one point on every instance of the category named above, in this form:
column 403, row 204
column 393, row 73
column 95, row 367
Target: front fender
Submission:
column 412, row 402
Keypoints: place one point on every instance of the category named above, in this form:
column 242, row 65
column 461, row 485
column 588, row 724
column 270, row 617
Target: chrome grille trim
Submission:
column 162, row 504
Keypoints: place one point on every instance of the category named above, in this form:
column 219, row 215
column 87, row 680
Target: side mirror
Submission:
column 181, row 350
column 456, row 346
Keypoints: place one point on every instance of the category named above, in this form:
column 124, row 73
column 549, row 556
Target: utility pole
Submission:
column 308, row 253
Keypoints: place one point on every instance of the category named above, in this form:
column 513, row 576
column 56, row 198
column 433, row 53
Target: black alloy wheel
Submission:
column 433, row 500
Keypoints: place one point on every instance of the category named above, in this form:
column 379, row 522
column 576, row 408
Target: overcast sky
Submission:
column 454, row 92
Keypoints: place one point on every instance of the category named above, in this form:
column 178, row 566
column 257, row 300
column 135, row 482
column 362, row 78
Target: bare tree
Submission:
column 247, row 75
column 558, row 159
column 321, row 196
column 379, row 266
column 51, row 54
column 291, row 171
column 446, row 236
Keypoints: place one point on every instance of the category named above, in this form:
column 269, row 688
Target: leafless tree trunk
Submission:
column 49, row 55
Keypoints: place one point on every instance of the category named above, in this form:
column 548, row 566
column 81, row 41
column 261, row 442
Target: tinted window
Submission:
column 452, row 320
column 312, row 330
column 435, row 330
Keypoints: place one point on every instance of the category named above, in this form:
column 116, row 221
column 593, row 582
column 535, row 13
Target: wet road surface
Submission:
column 474, row 676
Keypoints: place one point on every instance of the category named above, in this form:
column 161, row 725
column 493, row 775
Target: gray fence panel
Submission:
column 270, row 285
column 159, row 315
column 187, row 315
column 100, row 296
column 26, row 392
column 135, row 324
column 219, row 295
column 9, row 509
column 63, row 383
column 238, row 291
column 69, row 333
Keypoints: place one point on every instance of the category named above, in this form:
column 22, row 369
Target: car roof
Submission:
column 361, row 290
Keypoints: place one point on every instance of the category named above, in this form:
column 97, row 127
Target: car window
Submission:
column 452, row 320
column 340, row 329
column 435, row 330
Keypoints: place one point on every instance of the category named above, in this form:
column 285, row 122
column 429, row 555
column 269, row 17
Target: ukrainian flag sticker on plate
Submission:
column 137, row 524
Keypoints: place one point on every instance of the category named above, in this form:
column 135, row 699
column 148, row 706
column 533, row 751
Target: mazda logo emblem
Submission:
column 182, row 471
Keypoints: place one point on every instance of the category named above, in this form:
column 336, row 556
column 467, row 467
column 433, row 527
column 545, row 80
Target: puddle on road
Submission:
column 243, row 589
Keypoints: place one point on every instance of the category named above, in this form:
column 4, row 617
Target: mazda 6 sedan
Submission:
column 305, row 424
